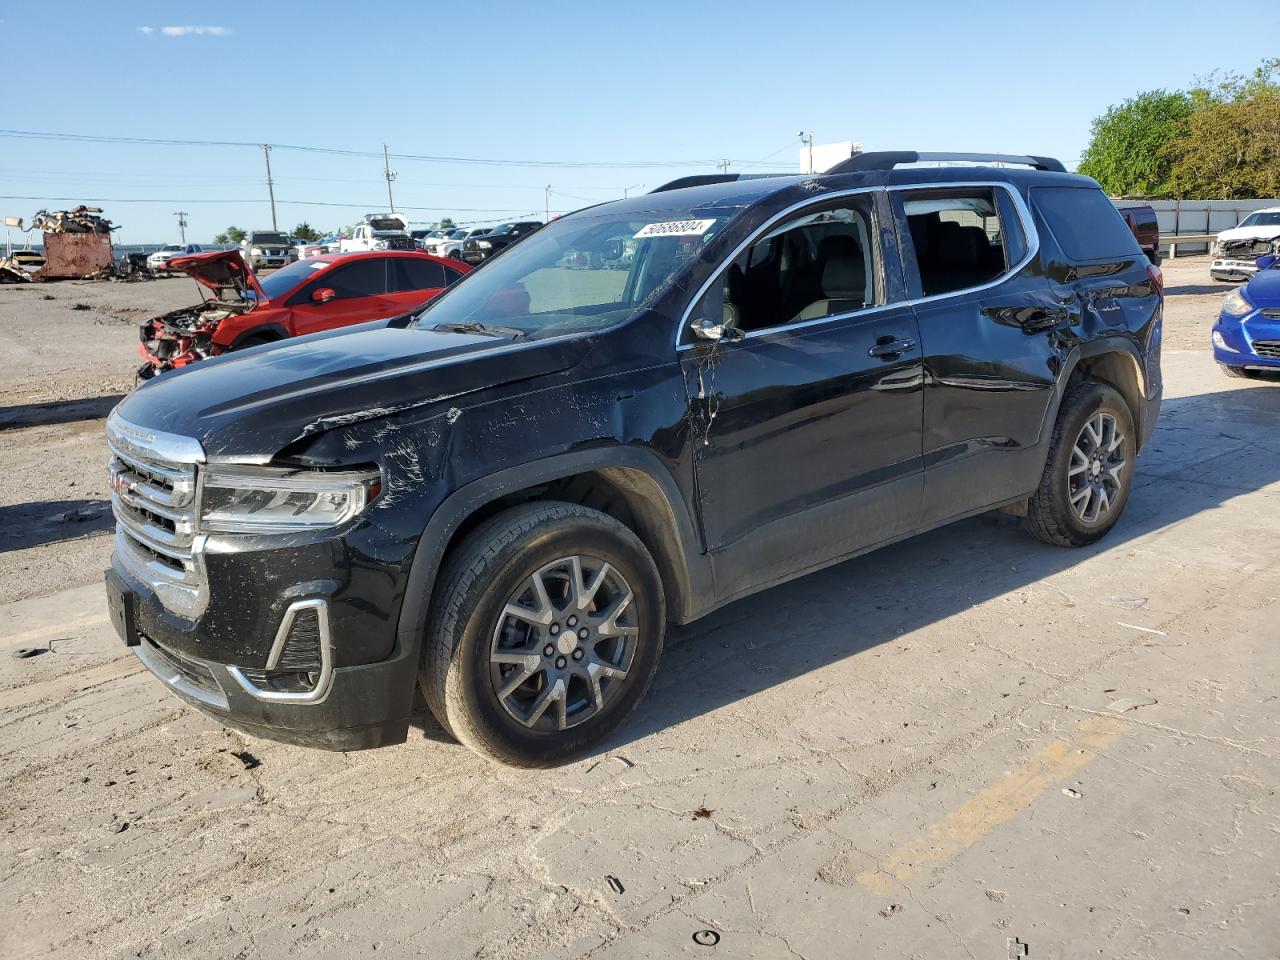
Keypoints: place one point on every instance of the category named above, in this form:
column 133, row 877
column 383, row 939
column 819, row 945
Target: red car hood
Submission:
column 224, row 272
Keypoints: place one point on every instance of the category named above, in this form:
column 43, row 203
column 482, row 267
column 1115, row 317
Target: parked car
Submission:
column 479, row 249
column 384, row 231
column 1236, row 251
column 505, row 497
column 265, row 248
column 158, row 262
column 307, row 296
column 426, row 239
column 28, row 261
column 1141, row 219
column 451, row 245
column 1246, row 338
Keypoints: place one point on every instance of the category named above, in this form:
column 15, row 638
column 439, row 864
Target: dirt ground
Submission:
column 1071, row 752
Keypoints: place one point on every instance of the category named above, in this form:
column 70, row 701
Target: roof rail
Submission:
column 703, row 179
column 888, row 159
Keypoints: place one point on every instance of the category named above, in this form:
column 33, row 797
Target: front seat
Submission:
column 842, row 278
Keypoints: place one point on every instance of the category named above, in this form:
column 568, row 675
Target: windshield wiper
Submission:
column 484, row 328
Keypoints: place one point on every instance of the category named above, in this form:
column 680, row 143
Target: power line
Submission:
column 296, row 203
column 336, row 151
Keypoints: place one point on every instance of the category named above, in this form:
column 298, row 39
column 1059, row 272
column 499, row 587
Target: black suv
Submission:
column 479, row 249
column 642, row 412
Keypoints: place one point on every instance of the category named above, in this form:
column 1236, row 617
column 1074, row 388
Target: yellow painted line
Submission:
column 54, row 629
column 992, row 806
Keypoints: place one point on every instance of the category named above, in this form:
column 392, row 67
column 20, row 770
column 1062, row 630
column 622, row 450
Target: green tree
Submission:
column 1218, row 87
column 232, row 235
column 304, row 231
column 1128, row 148
column 221, row 238
column 1230, row 151
column 446, row 223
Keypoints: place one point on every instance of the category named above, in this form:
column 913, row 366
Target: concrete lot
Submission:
column 960, row 745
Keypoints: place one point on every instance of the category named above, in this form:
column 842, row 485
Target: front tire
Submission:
column 1089, row 471
column 545, row 634
column 1239, row 373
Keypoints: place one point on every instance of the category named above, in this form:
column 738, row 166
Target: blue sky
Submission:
column 600, row 83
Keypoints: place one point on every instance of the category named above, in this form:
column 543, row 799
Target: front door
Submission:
column 806, row 430
column 359, row 294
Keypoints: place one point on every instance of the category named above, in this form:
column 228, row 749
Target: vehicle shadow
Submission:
column 62, row 411
column 1192, row 289
column 851, row 608
column 848, row 609
column 24, row 525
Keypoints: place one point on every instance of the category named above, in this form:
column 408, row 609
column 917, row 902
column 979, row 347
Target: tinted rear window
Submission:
column 1084, row 222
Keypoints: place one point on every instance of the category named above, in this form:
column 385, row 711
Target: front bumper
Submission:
column 352, row 707
column 1228, row 268
column 1251, row 341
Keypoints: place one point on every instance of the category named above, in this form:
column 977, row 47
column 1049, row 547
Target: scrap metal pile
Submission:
column 77, row 246
column 80, row 219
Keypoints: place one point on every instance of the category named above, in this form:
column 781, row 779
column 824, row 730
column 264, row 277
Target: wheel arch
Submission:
column 1115, row 362
column 627, row 483
column 276, row 331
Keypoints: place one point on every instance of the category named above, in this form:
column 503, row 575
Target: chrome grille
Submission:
column 1267, row 348
column 155, row 498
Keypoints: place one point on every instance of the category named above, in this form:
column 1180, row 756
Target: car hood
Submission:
column 1264, row 289
column 223, row 272
column 1250, row 233
column 248, row 405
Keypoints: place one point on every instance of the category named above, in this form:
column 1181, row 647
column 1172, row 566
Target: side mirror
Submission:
column 322, row 295
column 706, row 329
column 1267, row 262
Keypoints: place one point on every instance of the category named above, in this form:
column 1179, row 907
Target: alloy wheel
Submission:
column 1095, row 477
column 564, row 643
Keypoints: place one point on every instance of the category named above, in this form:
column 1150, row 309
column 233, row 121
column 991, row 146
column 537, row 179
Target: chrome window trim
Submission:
column 1024, row 216
column 321, row 689
column 1028, row 230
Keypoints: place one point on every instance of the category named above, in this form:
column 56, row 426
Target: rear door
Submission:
column 992, row 335
column 360, row 294
column 413, row 281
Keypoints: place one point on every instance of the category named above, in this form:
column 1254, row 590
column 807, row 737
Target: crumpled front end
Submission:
column 182, row 336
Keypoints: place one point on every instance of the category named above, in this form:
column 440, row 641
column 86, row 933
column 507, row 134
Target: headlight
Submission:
column 256, row 251
column 1235, row 305
column 483, row 244
column 280, row 500
column 1220, row 342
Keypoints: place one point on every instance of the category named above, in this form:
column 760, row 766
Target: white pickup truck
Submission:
column 379, row 231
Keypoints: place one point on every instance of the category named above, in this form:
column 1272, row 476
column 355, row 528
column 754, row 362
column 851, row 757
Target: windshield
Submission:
column 268, row 238
column 171, row 247
column 276, row 285
column 580, row 273
column 1262, row 219
column 457, row 235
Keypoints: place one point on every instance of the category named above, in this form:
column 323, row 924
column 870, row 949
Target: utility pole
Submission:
column 271, row 187
column 547, row 197
column 389, row 174
column 182, row 223
column 723, row 166
column 809, row 141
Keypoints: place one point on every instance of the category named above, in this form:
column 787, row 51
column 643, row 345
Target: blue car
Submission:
column 1246, row 338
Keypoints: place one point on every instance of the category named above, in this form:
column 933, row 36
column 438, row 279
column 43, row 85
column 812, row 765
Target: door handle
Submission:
column 887, row 348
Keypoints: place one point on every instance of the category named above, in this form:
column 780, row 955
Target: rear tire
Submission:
column 547, row 683
column 1089, row 471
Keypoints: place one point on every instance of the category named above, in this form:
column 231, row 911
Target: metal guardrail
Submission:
column 1196, row 239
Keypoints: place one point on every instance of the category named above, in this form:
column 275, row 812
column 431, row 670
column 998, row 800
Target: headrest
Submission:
column 844, row 275
column 961, row 248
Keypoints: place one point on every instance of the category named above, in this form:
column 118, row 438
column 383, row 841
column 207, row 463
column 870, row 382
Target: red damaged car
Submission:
column 305, row 297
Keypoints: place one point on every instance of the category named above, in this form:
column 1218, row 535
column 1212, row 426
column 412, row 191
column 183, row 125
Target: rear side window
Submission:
column 962, row 237
column 410, row 274
column 1084, row 222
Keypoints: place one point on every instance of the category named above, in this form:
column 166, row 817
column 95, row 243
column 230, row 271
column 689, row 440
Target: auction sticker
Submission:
column 676, row 228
